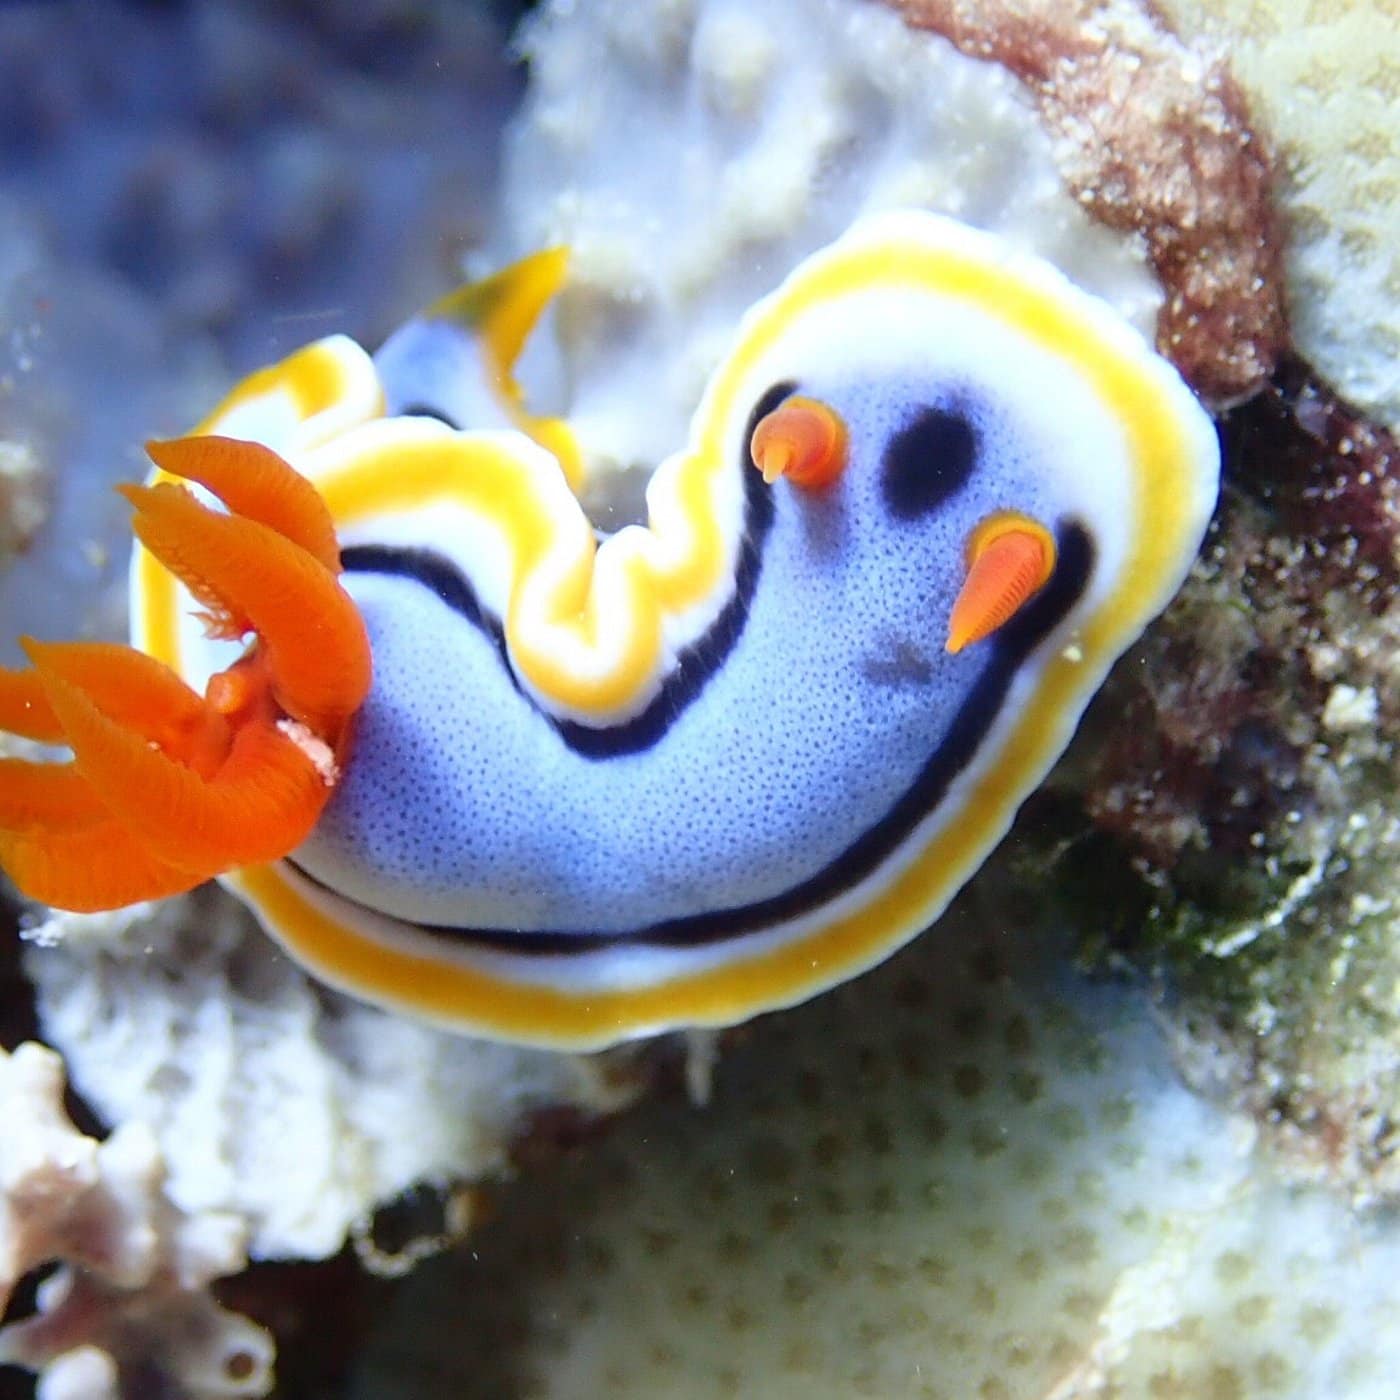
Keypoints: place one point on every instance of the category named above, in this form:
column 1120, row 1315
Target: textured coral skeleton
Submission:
column 129, row 1298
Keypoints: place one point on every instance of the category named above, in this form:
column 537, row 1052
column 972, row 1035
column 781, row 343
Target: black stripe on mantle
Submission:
column 694, row 666
column 1010, row 648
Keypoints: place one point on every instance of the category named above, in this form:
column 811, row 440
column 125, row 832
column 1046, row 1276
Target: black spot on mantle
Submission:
column 928, row 461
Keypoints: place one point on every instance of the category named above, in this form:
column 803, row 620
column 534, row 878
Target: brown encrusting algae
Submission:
column 1154, row 138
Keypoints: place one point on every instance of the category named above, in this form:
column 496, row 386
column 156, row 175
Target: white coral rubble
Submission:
column 690, row 154
column 130, row 1298
column 271, row 1096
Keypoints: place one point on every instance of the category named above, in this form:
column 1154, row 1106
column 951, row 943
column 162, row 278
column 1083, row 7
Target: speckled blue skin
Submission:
column 464, row 805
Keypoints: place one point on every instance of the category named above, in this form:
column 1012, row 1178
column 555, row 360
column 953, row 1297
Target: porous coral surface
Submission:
column 969, row 1174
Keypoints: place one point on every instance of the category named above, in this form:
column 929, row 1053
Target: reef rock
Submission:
column 293, row 1108
column 1324, row 80
column 129, row 1308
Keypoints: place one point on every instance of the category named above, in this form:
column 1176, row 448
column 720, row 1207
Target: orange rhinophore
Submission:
column 803, row 440
column 166, row 787
column 1009, row 558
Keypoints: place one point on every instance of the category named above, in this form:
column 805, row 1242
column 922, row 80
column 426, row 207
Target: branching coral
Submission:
column 128, row 1308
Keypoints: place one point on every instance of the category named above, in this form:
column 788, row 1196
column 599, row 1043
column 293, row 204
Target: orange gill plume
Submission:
column 166, row 787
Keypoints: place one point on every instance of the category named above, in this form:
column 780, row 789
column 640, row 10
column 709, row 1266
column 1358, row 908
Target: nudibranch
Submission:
column 708, row 765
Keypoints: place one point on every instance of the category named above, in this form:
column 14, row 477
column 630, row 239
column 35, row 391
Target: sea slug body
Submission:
column 724, row 759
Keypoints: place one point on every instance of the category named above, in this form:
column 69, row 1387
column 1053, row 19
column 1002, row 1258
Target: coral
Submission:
column 1154, row 138
column 82, row 378
column 969, row 1174
column 22, row 498
column 282, row 1103
column 186, row 186
column 1325, row 80
column 690, row 154
column 1240, row 774
column 128, row 1309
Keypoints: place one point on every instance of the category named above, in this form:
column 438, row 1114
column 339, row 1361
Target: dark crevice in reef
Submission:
column 293, row 1301
column 18, row 1020
column 1331, row 476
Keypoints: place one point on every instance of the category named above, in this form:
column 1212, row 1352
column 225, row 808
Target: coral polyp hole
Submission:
column 240, row 1365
